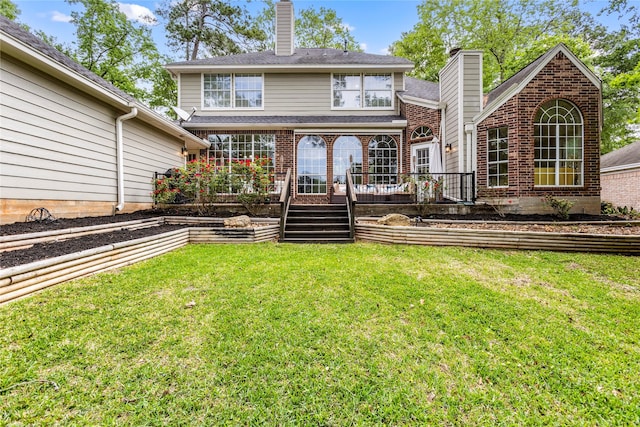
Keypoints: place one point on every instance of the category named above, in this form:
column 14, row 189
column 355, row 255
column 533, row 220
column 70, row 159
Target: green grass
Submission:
column 331, row 335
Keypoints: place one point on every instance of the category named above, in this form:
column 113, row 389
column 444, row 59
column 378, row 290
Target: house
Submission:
column 70, row 141
column 321, row 112
column 620, row 176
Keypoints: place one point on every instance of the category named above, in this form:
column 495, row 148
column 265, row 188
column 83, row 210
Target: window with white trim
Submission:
column 370, row 91
column 312, row 165
column 421, row 133
column 232, row 91
column 227, row 149
column 498, row 157
column 558, row 144
column 383, row 160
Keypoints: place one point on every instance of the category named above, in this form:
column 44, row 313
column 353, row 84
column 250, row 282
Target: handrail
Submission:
column 352, row 199
column 285, row 201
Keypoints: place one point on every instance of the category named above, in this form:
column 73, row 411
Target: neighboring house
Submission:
column 320, row 112
column 70, row 141
column 620, row 176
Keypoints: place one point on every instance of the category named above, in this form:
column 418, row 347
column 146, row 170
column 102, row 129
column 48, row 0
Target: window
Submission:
column 383, row 160
column 421, row 133
column 558, row 144
column 347, row 154
column 312, row 165
column 232, row 91
column 226, row 149
column 498, row 157
column 362, row 91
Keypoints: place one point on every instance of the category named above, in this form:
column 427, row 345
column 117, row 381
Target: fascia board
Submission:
column 407, row 99
column 517, row 88
column 287, row 68
column 30, row 56
column 620, row 168
column 44, row 63
column 396, row 124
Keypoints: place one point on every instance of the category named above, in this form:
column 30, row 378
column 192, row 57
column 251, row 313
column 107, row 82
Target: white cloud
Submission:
column 60, row 17
column 348, row 27
column 363, row 46
column 385, row 51
column 135, row 12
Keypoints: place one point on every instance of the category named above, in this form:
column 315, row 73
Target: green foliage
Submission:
column 204, row 184
column 313, row 29
column 619, row 66
column 204, row 28
column 607, row 208
column 510, row 34
column 9, row 9
column 362, row 334
column 119, row 50
column 323, row 29
column 561, row 207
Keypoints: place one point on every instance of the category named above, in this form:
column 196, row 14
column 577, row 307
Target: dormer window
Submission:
column 227, row 91
column 362, row 91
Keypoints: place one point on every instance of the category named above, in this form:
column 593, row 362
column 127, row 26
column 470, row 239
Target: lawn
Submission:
column 330, row 335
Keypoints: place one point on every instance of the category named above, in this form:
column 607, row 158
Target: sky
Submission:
column 373, row 23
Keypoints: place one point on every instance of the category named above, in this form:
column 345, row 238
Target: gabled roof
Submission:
column 519, row 81
column 314, row 58
column 622, row 158
column 18, row 42
column 418, row 91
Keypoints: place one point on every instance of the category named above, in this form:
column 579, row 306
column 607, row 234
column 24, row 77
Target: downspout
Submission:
column 120, row 153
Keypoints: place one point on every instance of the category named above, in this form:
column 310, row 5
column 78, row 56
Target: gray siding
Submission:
column 449, row 94
column 284, row 28
column 284, row 94
column 58, row 144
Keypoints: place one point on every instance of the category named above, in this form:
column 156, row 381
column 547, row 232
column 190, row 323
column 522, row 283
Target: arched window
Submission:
column 422, row 133
column 558, row 144
column 312, row 165
column 383, row 160
column 347, row 154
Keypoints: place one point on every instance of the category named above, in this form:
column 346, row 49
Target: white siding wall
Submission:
column 284, row 94
column 58, row 144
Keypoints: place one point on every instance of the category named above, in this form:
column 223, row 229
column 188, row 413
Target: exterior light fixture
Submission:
column 185, row 151
column 447, row 148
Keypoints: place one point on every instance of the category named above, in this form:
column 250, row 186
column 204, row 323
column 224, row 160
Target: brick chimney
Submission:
column 284, row 28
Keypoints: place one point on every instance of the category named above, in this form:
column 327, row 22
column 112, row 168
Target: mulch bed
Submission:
column 42, row 251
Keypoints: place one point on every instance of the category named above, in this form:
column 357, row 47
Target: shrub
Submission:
column 561, row 207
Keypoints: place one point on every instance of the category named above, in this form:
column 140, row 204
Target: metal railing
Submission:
column 352, row 199
column 285, row 201
column 413, row 188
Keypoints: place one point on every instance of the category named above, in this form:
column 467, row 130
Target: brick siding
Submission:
column 622, row 188
column 559, row 79
column 417, row 116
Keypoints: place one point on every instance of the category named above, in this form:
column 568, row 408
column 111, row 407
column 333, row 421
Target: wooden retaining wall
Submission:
column 22, row 280
column 25, row 240
column 28, row 278
column 570, row 242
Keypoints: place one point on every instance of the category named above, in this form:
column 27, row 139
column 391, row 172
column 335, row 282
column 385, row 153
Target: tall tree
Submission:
column 313, row 28
column 117, row 49
column 619, row 65
column 9, row 9
column 505, row 30
column 208, row 28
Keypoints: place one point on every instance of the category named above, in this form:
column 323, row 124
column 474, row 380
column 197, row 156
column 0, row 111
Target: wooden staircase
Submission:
column 317, row 224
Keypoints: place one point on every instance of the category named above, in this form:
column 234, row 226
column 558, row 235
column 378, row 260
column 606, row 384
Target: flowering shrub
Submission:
column 203, row 183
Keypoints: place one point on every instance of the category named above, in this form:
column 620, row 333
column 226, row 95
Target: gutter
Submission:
column 120, row 153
